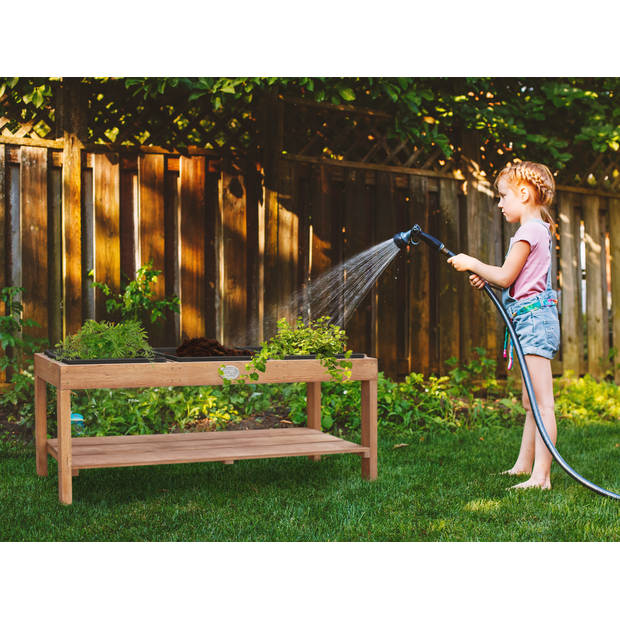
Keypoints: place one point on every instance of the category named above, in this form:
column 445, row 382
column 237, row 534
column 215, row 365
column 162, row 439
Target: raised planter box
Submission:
column 227, row 446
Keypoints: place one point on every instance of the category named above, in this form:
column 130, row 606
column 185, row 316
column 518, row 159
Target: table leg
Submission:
column 313, row 409
column 65, row 482
column 40, row 425
column 369, row 428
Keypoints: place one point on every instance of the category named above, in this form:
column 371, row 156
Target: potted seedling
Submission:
column 105, row 341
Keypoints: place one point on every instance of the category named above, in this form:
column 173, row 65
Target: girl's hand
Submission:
column 462, row 262
column 476, row 281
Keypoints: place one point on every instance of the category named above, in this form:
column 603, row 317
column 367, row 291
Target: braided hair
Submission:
column 539, row 178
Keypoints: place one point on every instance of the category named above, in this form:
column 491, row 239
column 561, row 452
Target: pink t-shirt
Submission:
column 533, row 276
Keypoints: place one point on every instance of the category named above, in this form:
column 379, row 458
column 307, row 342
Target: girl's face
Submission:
column 510, row 200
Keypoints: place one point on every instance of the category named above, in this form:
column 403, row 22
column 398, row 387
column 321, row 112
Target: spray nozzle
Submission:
column 413, row 237
column 409, row 237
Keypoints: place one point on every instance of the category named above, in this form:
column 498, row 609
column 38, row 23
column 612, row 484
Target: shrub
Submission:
column 586, row 400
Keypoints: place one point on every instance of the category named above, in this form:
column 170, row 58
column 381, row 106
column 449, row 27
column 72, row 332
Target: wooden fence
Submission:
column 235, row 248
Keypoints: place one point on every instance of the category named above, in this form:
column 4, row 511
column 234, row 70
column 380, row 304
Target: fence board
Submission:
column 129, row 219
column 254, row 253
column 475, row 312
column 4, row 249
column 357, row 239
column 288, row 242
column 54, row 244
column 106, row 173
column 212, row 244
column 487, row 335
column 152, row 231
column 495, row 331
column 604, row 281
column 301, row 195
column 72, row 233
column 338, row 235
column 171, row 248
column 33, row 187
column 88, row 240
column 271, row 261
column 389, row 310
column 419, row 282
column 3, row 239
column 569, row 270
column 450, row 282
column 614, row 235
column 321, row 224
column 234, row 237
column 193, row 228
column 594, row 286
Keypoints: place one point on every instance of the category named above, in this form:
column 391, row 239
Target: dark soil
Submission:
column 208, row 347
column 275, row 418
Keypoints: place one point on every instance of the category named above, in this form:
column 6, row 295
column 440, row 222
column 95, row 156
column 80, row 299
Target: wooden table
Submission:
column 78, row 453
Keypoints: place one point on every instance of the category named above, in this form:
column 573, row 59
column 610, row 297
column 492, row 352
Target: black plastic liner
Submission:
column 170, row 353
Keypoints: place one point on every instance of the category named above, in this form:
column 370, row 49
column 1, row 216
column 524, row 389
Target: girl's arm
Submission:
column 502, row 276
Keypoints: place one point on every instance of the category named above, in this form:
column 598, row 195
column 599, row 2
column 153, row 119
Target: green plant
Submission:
column 317, row 338
column 136, row 299
column 105, row 340
column 583, row 400
column 12, row 337
column 152, row 410
column 474, row 377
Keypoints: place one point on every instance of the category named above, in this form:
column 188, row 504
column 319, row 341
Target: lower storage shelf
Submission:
column 132, row 450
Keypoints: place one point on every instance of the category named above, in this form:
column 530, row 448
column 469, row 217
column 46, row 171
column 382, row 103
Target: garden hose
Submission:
column 413, row 237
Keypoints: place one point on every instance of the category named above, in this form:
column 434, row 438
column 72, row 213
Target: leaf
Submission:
column 347, row 94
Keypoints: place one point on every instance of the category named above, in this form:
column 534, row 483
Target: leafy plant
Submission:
column 585, row 399
column 105, row 340
column 474, row 377
column 136, row 299
column 12, row 336
column 317, row 338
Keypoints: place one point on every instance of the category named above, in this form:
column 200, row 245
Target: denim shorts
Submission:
column 538, row 330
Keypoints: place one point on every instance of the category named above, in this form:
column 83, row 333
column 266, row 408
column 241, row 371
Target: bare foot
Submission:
column 516, row 471
column 533, row 484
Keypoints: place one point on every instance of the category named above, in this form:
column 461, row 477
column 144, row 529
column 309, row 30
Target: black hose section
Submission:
column 530, row 392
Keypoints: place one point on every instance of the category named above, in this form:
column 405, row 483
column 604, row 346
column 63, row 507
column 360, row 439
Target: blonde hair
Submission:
column 539, row 178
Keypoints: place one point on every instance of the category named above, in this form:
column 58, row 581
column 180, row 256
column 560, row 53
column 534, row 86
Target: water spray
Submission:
column 413, row 237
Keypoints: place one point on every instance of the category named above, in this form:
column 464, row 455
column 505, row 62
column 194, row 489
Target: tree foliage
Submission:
column 554, row 120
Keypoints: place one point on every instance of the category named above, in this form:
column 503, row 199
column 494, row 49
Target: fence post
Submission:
column 3, row 239
column 614, row 238
column 71, row 108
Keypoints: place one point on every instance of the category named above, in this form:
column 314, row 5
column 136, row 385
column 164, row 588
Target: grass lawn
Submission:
column 443, row 488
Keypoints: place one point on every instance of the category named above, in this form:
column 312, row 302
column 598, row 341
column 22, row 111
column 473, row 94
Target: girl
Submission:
column 526, row 190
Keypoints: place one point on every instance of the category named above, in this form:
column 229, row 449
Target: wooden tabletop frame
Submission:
column 78, row 453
